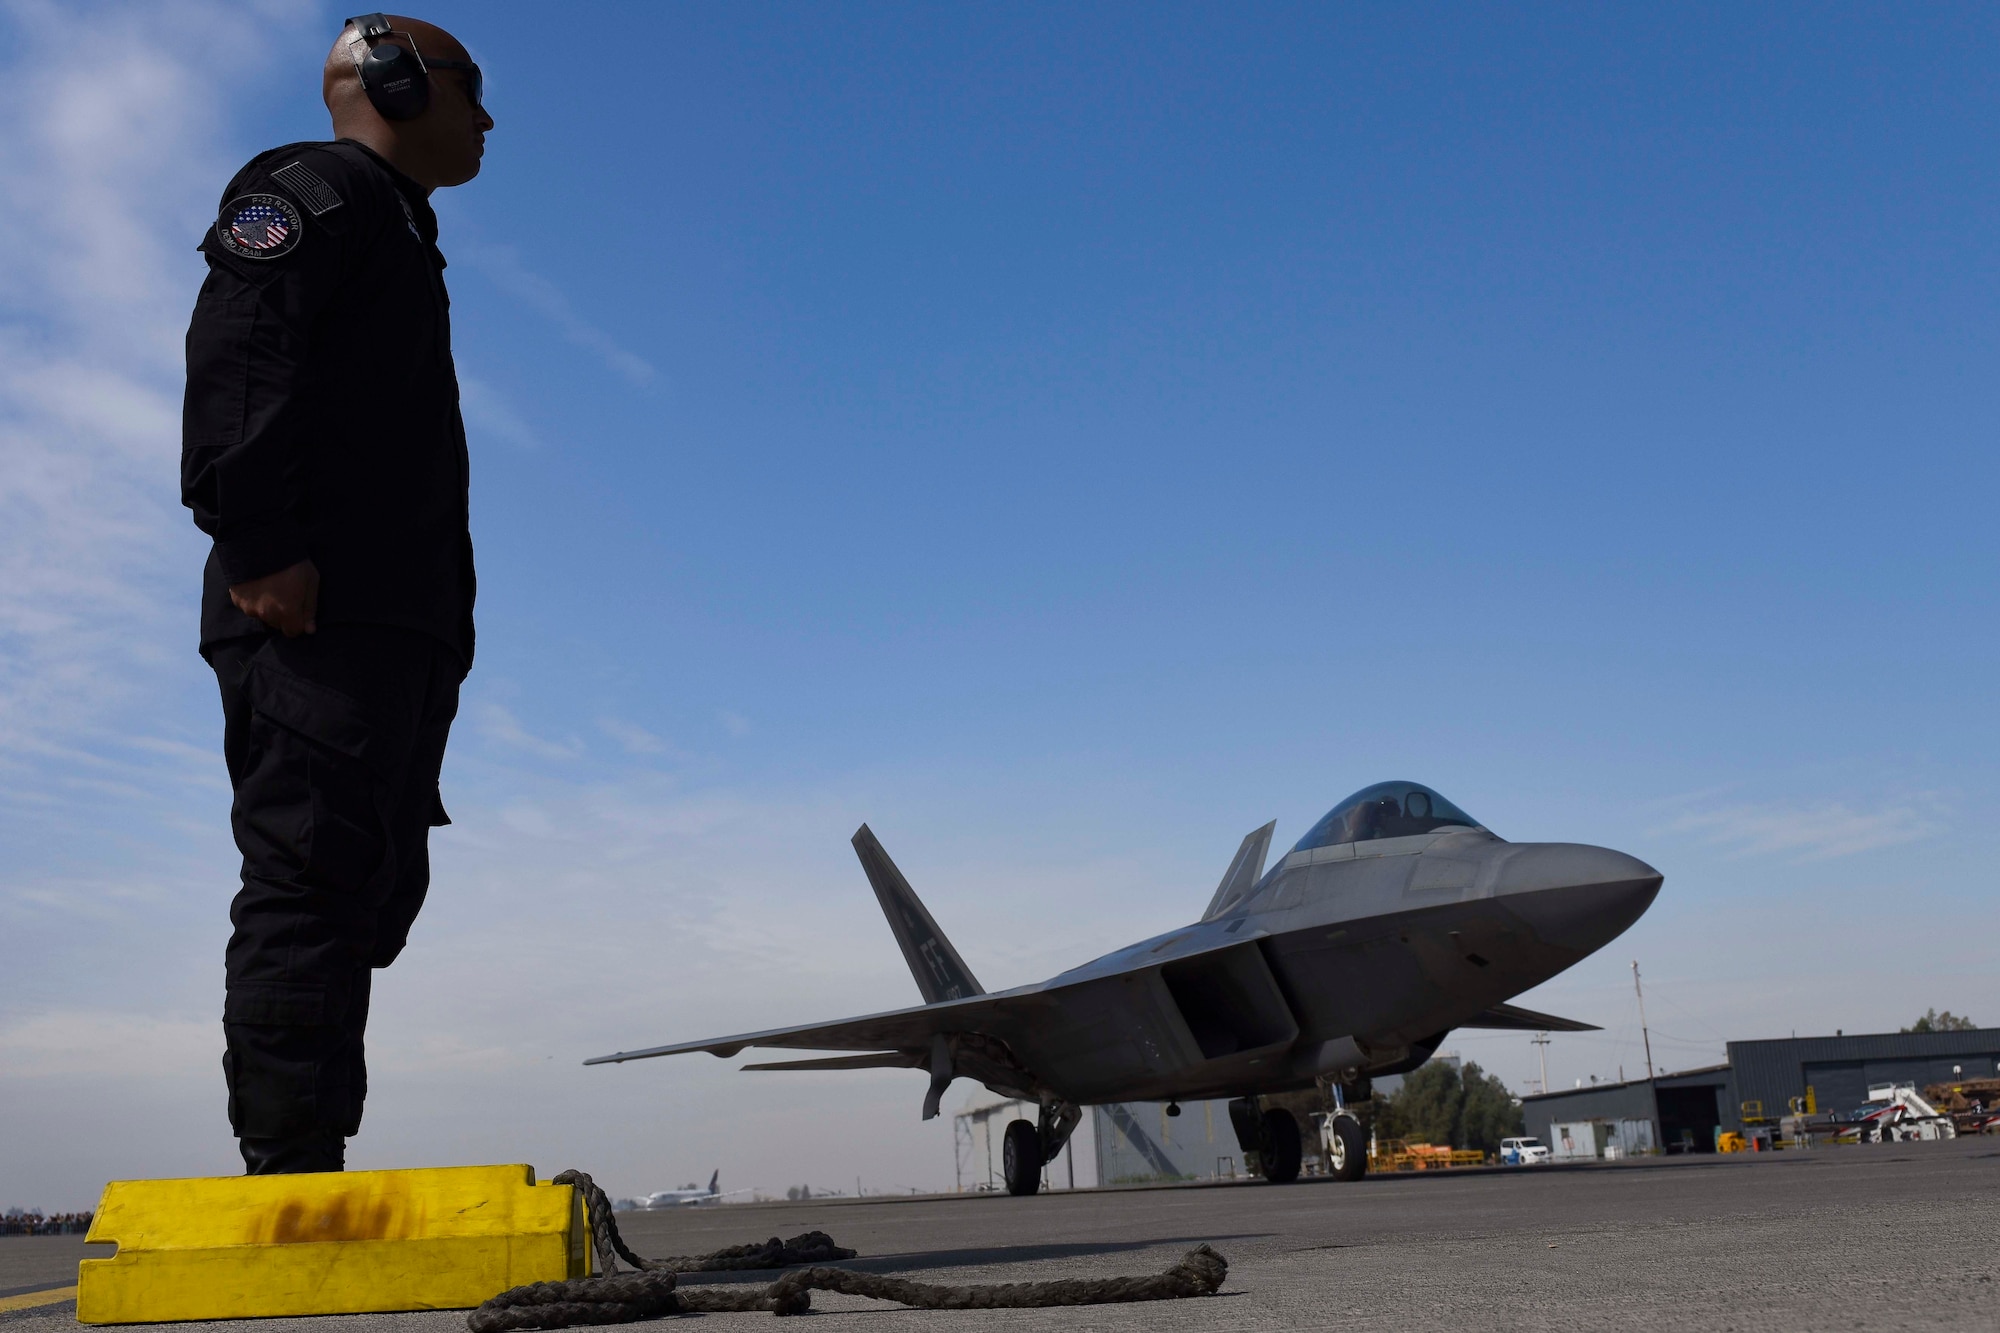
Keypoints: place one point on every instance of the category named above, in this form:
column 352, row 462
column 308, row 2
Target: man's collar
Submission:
column 417, row 196
column 408, row 186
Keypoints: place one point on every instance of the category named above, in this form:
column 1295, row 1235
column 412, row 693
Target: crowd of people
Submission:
column 17, row 1222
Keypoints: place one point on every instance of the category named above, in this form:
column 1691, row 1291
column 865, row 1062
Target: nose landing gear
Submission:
column 1346, row 1147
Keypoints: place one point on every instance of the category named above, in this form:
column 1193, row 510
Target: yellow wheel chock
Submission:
column 240, row 1247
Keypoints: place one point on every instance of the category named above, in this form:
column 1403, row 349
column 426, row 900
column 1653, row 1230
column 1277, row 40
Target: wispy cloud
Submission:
column 1754, row 827
column 733, row 722
column 105, row 120
column 503, row 267
column 498, row 724
column 636, row 739
column 95, row 1041
column 487, row 412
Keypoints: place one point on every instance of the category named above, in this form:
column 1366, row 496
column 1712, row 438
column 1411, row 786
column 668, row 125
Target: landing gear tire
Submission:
column 1348, row 1149
column 1021, row 1158
column 1281, row 1155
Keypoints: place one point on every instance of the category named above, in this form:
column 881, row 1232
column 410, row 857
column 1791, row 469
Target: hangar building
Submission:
column 1124, row 1143
column 1680, row 1109
column 1687, row 1109
column 1139, row 1141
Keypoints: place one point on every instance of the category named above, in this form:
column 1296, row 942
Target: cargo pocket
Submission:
column 334, row 804
column 278, row 1004
column 283, row 1077
column 349, row 847
column 315, row 711
column 273, row 814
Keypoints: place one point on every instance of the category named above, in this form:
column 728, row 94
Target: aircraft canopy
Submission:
column 1385, row 810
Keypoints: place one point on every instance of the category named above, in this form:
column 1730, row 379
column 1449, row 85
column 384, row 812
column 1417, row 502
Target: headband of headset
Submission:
column 393, row 75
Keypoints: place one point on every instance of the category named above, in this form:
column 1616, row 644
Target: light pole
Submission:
column 1646, row 1036
column 1541, row 1039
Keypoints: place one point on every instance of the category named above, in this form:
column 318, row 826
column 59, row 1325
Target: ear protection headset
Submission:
column 394, row 77
column 394, row 73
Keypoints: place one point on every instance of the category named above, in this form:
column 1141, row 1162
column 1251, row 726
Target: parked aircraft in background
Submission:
column 690, row 1195
column 1397, row 918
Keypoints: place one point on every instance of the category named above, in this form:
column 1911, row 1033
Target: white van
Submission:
column 1528, row 1151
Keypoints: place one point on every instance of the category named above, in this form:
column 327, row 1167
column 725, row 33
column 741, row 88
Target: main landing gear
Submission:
column 1273, row 1134
column 1021, row 1158
column 1029, row 1146
column 1281, row 1154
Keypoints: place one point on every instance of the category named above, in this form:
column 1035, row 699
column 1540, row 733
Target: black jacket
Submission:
column 322, row 415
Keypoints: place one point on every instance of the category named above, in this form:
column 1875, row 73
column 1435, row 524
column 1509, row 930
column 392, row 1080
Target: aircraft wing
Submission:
column 901, row 1038
column 896, row 1030
column 1513, row 1018
column 871, row 1060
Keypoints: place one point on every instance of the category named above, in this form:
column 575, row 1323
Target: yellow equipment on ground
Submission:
column 1396, row 1155
column 1731, row 1141
column 241, row 1247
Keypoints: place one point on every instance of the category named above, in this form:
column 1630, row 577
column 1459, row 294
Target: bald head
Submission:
column 439, row 147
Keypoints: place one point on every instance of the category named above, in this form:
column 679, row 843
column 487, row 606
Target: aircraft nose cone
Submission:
column 1576, row 897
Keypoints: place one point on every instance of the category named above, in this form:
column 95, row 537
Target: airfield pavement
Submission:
column 1875, row 1236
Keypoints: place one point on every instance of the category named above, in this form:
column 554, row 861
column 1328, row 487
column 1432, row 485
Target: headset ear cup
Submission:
column 395, row 82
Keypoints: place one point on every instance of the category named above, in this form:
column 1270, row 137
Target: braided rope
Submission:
column 1198, row 1273
column 613, row 1297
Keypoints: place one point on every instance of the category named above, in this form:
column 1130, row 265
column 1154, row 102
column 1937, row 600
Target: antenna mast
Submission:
column 1643, row 1033
column 1541, row 1039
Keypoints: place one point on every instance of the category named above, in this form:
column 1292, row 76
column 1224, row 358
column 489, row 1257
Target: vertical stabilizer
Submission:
column 1243, row 872
column 715, row 1181
column 941, row 974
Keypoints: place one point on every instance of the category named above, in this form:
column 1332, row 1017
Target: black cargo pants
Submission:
column 333, row 742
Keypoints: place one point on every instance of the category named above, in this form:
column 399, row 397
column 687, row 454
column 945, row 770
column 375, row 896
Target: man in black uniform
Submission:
column 323, row 451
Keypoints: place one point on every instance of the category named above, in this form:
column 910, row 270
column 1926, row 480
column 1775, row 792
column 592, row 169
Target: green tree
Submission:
column 1491, row 1112
column 1429, row 1104
column 1386, row 1119
column 1933, row 1021
column 1440, row 1104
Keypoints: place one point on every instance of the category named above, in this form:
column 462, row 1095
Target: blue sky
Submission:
column 1065, row 439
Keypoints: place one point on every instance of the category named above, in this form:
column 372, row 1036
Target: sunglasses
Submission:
column 475, row 82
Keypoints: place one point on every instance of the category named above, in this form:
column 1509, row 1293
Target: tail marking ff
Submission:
column 941, row 974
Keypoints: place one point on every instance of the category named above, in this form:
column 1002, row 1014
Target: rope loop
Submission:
column 614, row 1297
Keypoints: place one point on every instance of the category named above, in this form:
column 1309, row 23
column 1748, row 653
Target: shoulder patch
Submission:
column 309, row 186
column 259, row 226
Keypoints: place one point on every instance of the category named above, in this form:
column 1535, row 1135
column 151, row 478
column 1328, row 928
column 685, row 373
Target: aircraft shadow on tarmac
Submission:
column 982, row 1257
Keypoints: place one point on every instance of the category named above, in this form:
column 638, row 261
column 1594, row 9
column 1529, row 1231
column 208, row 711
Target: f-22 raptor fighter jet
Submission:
column 1396, row 919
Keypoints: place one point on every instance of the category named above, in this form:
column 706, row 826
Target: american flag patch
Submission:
column 259, row 226
column 309, row 186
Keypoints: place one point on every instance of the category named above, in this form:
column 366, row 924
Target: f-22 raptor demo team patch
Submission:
column 259, row 226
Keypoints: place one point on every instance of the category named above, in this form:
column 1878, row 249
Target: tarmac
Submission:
column 1869, row 1236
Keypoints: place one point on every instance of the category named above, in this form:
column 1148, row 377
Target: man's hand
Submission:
column 287, row 601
